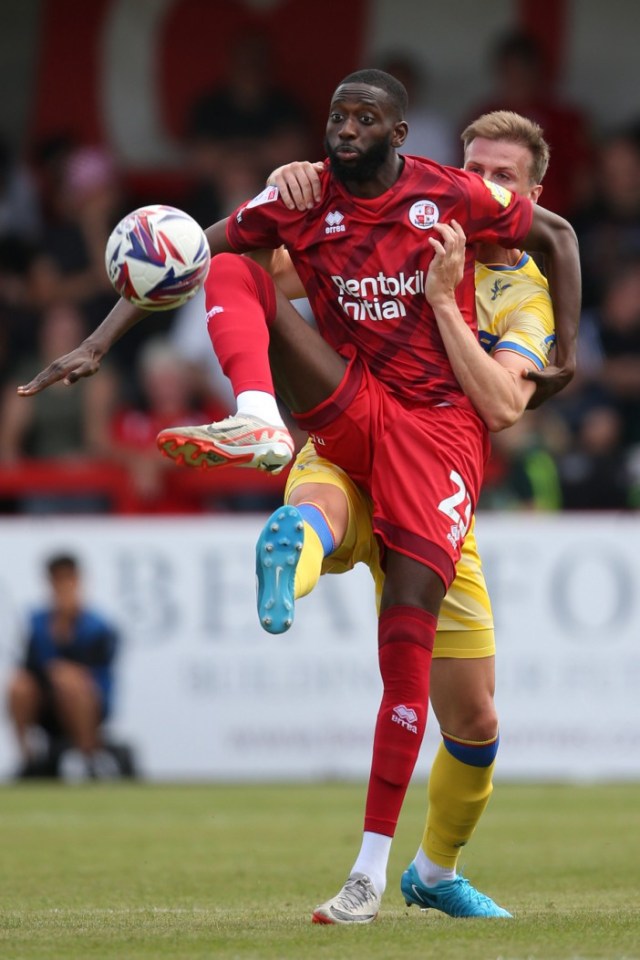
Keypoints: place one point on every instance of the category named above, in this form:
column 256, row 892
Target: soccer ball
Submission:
column 157, row 257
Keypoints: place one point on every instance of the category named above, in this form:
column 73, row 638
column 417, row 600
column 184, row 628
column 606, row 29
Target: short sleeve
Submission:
column 493, row 213
column 258, row 222
column 530, row 330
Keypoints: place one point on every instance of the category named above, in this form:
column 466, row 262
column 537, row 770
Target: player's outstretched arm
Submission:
column 85, row 360
column 556, row 239
column 495, row 386
column 298, row 183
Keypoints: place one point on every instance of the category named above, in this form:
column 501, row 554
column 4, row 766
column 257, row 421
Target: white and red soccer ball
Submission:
column 157, row 257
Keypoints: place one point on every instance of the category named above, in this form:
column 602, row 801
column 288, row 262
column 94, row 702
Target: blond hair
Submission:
column 509, row 126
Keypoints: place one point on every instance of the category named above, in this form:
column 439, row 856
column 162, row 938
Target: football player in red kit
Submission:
column 373, row 387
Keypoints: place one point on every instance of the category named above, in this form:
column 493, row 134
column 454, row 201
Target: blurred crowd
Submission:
column 60, row 201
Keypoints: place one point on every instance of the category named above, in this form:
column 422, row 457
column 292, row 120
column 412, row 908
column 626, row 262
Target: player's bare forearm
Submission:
column 556, row 239
column 497, row 393
column 562, row 266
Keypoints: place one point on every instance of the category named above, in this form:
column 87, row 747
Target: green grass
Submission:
column 129, row 871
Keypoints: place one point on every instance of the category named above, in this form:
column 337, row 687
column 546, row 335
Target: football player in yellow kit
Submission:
column 328, row 522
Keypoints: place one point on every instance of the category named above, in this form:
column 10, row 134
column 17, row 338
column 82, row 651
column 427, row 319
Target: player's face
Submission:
column 362, row 132
column 507, row 164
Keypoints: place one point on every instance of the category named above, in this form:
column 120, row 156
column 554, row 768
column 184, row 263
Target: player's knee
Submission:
column 485, row 721
column 330, row 501
column 478, row 724
column 410, row 583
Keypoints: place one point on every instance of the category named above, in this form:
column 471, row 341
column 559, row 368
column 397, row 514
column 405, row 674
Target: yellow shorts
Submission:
column 465, row 625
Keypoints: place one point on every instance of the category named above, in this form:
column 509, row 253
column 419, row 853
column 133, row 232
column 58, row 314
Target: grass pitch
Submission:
column 188, row 872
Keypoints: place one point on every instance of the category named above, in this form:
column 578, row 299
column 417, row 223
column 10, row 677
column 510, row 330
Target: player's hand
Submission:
column 298, row 183
column 447, row 267
column 84, row 361
column 548, row 382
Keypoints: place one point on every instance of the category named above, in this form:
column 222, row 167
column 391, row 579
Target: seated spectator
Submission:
column 241, row 131
column 49, row 159
column 608, row 226
column 189, row 337
column 594, row 473
column 20, row 214
column 21, row 258
column 64, row 683
column 87, row 204
column 18, row 307
column 430, row 133
column 601, row 406
column 616, row 324
column 521, row 83
column 167, row 396
column 64, row 423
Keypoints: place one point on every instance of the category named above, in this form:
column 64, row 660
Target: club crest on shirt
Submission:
column 498, row 193
column 424, row 214
column 268, row 195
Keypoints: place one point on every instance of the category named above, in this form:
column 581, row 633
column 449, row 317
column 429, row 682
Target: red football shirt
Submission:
column 363, row 264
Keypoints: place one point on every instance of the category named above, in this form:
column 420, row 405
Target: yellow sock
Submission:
column 458, row 794
column 310, row 563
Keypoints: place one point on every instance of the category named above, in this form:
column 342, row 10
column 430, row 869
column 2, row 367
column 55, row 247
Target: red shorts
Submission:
column 422, row 466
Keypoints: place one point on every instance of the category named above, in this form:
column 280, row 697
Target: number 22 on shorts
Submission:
column 450, row 507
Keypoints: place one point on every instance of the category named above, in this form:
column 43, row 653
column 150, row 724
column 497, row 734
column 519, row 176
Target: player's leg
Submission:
column 291, row 549
column 410, row 601
column 242, row 308
column 327, row 519
column 460, row 785
column 420, row 502
column 324, row 526
column 422, row 489
column 324, row 509
column 411, row 596
column 460, row 782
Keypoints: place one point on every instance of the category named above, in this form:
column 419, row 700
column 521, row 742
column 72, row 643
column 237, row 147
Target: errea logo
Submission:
column 334, row 222
column 406, row 717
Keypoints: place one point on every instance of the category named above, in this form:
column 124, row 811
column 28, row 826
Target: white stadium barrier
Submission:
column 204, row 693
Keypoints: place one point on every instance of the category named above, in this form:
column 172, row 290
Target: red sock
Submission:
column 241, row 303
column 405, row 639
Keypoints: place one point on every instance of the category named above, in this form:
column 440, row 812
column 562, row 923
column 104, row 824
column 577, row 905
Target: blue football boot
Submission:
column 456, row 898
column 277, row 553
